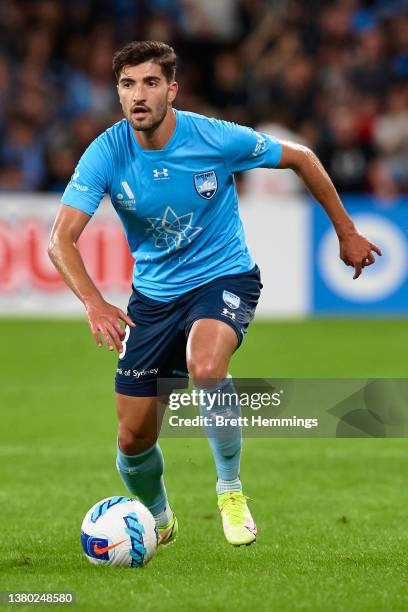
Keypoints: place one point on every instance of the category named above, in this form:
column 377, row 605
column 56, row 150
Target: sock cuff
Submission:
column 134, row 460
column 224, row 486
column 223, row 383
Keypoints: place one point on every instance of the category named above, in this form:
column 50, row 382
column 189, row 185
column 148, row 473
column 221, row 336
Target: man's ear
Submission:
column 173, row 89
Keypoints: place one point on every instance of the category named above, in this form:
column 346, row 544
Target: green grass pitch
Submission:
column 332, row 513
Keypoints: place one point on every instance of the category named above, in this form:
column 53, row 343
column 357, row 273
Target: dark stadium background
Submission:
column 334, row 73
column 331, row 512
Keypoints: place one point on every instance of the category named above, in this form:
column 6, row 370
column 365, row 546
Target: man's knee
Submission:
column 135, row 442
column 206, row 370
column 139, row 423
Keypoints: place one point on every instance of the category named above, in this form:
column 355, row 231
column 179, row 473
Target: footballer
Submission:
column 170, row 177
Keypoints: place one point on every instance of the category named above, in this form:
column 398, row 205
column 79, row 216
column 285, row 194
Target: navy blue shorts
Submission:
column 156, row 347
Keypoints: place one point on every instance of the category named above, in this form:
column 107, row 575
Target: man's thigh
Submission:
column 210, row 346
column 217, row 321
column 230, row 299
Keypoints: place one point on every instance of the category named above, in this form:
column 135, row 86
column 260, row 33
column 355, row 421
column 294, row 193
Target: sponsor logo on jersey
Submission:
column 123, row 204
column 231, row 300
column 260, row 146
column 206, row 184
column 74, row 183
column 127, row 190
column 78, row 187
column 171, row 231
column 160, row 174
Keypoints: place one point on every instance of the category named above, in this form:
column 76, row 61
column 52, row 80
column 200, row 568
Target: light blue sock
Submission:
column 143, row 476
column 226, row 444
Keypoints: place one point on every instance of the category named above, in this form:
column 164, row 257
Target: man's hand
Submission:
column 355, row 250
column 103, row 318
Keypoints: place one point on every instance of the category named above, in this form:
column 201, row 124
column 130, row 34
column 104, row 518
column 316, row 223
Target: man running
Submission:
column 170, row 177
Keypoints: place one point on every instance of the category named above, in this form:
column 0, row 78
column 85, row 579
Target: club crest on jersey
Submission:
column 206, row 184
column 231, row 300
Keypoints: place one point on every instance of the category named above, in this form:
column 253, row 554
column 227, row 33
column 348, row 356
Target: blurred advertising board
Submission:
column 290, row 239
column 383, row 288
column 29, row 284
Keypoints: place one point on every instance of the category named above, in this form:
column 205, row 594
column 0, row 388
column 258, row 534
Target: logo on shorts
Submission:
column 228, row 313
column 231, row 300
column 206, row 184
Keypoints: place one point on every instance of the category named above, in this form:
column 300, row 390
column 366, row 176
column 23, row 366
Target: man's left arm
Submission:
column 355, row 249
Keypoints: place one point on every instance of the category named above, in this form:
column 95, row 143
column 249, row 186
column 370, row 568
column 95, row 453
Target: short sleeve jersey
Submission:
column 178, row 205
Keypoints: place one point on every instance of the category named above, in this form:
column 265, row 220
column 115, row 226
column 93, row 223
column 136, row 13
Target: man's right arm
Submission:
column 103, row 318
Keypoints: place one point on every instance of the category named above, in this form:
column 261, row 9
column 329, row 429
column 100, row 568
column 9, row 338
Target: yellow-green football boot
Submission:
column 239, row 526
column 168, row 533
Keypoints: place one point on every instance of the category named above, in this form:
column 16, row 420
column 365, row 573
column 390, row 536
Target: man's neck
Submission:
column 158, row 138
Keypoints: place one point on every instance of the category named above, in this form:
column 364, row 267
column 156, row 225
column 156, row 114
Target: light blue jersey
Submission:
column 178, row 205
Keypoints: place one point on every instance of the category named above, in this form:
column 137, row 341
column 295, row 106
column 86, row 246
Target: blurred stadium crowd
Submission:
column 332, row 75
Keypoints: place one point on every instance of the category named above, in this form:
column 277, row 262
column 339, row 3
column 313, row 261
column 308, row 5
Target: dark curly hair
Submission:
column 140, row 51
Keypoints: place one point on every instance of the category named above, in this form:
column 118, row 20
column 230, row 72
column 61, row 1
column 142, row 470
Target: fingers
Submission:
column 356, row 251
column 95, row 334
column 357, row 269
column 369, row 260
column 376, row 249
column 105, row 323
column 112, row 338
column 108, row 340
column 121, row 330
column 124, row 317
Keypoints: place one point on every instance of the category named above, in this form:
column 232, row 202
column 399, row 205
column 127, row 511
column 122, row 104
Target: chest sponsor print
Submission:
column 170, row 231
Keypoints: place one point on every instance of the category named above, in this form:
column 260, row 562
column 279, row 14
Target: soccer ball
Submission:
column 119, row 531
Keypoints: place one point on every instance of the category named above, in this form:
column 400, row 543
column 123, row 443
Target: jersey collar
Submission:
column 169, row 145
